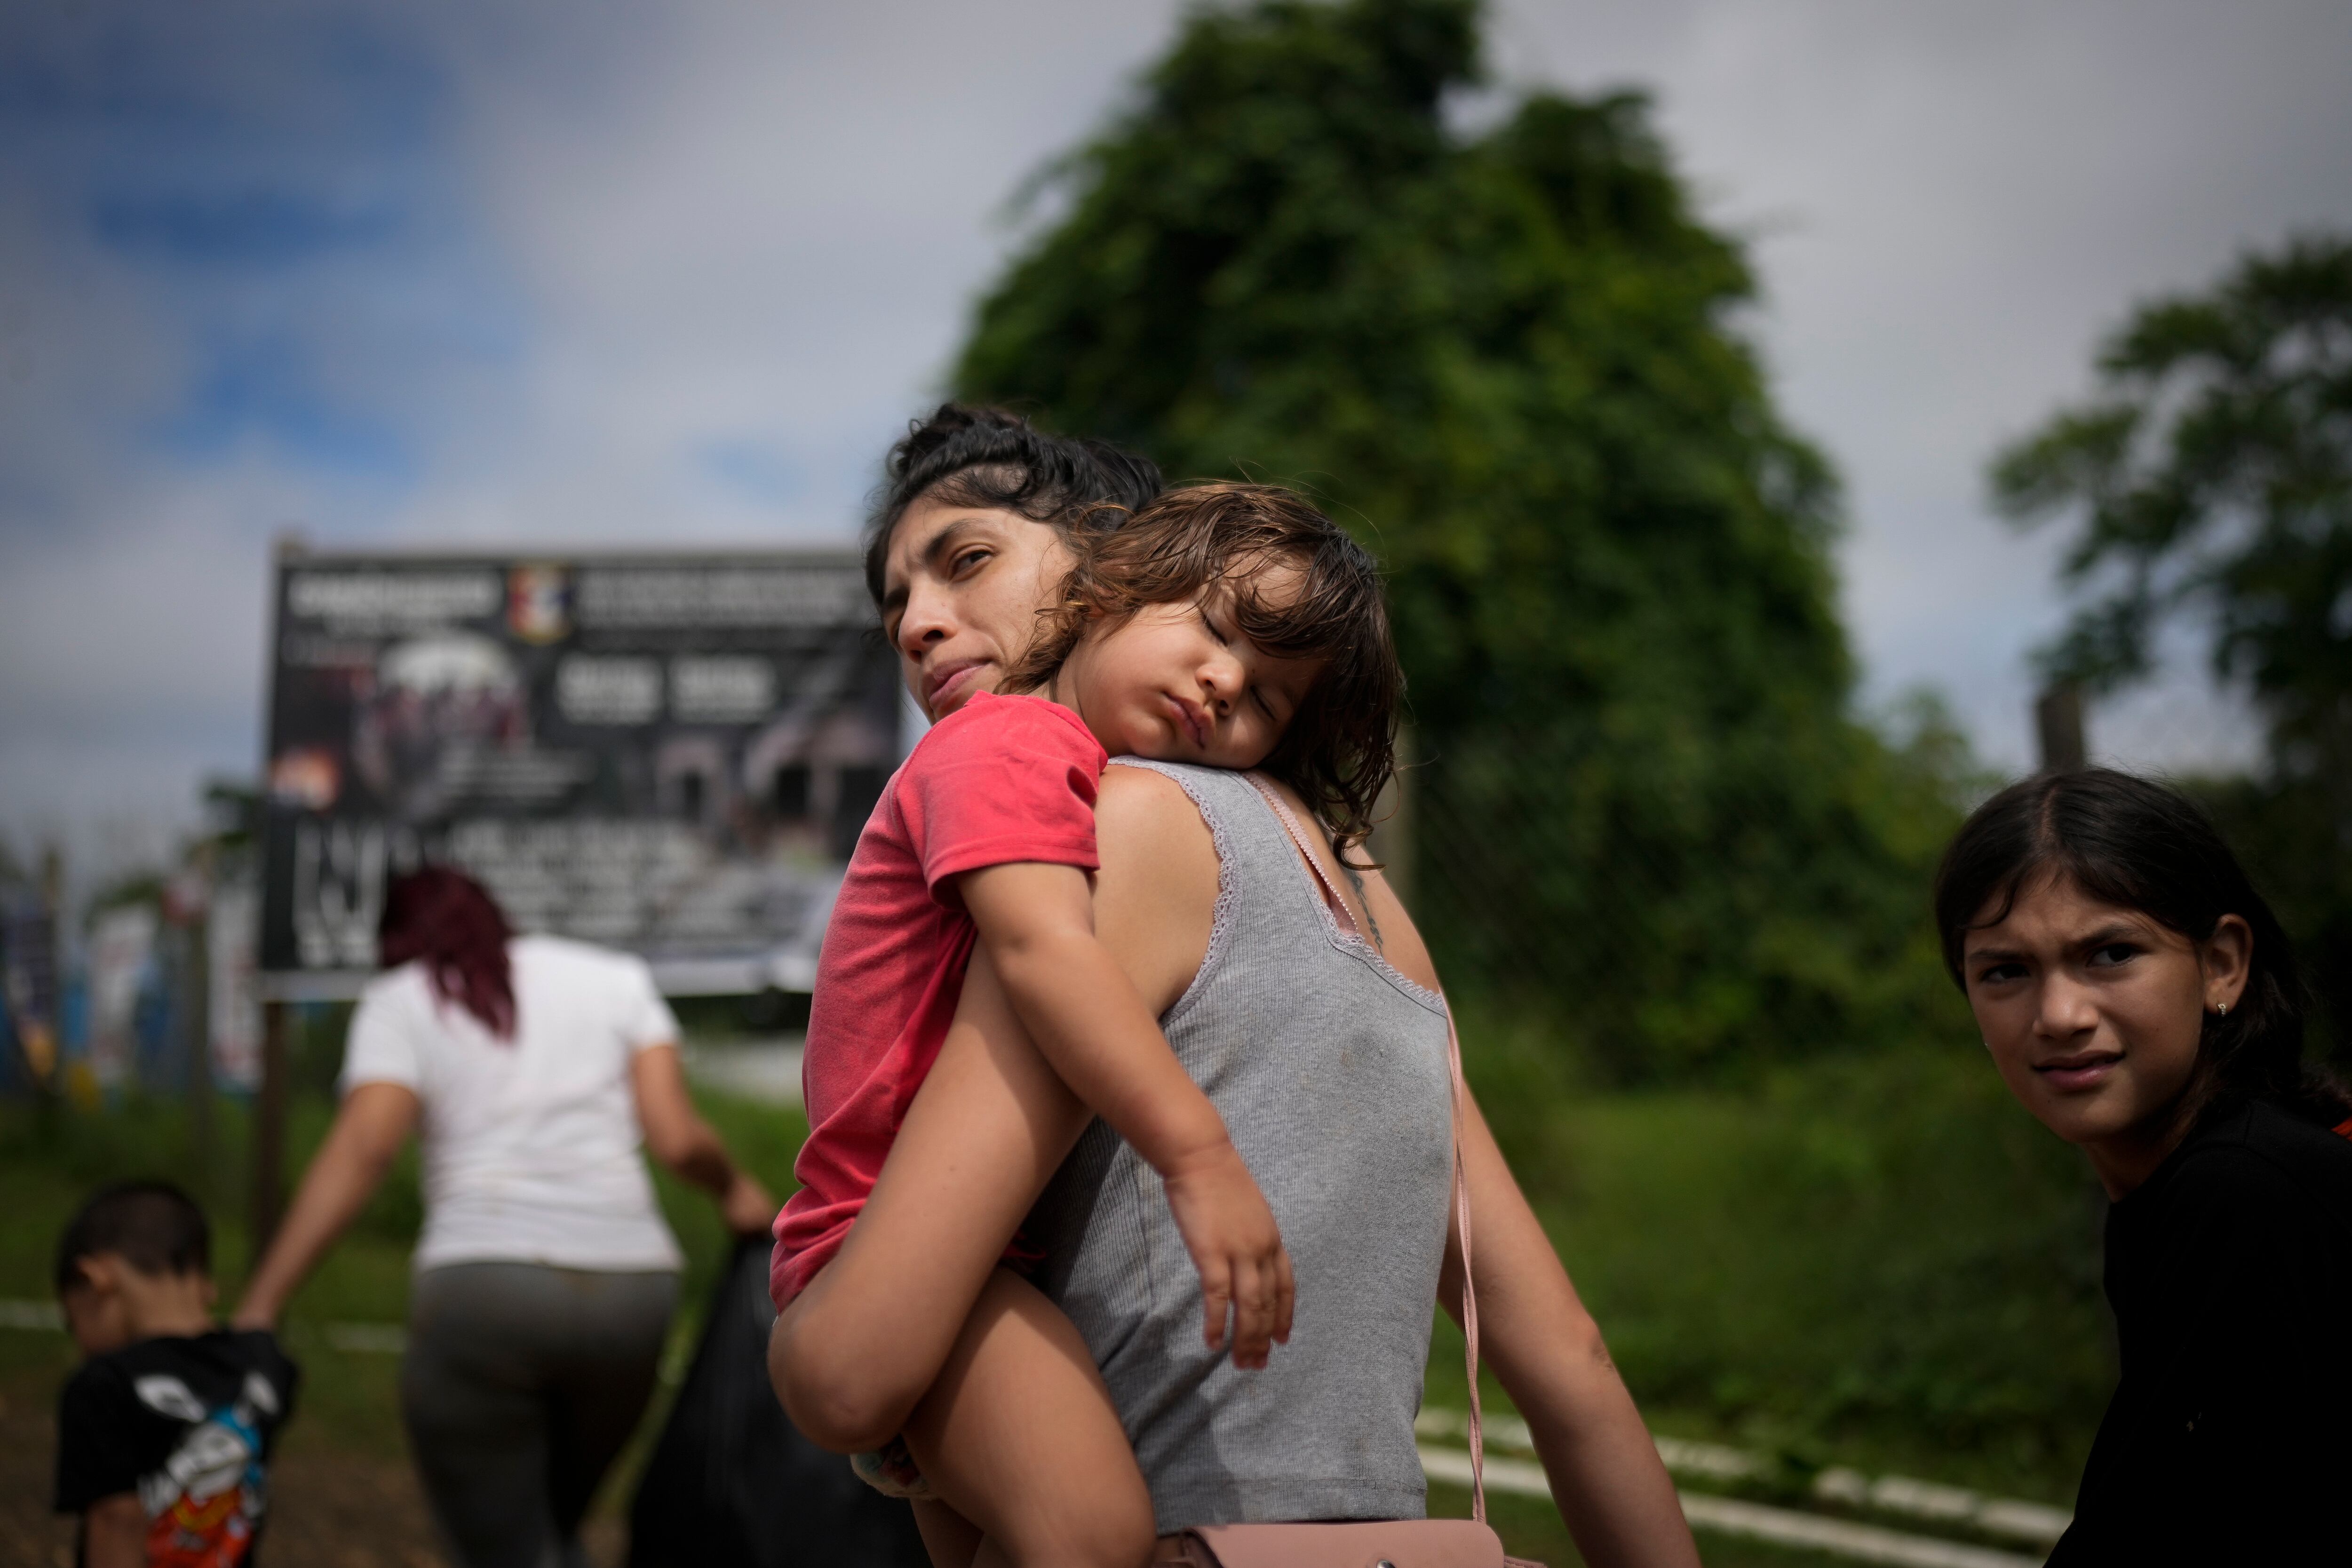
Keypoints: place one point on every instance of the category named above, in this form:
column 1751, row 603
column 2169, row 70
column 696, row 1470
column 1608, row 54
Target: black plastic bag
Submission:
column 733, row 1484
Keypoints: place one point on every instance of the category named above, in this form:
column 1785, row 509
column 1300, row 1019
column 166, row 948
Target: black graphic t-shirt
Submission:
column 187, row 1425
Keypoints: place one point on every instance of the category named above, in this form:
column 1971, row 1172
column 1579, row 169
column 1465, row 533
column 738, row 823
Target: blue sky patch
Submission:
column 257, row 227
column 289, row 189
column 268, row 388
column 757, row 469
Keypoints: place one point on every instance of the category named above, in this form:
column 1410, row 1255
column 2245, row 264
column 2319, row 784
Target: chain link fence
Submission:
column 1676, row 914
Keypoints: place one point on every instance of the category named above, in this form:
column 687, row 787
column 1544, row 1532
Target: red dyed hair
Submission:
column 447, row 921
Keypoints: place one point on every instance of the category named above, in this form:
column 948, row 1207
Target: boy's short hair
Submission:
column 153, row 1226
column 1340, row 749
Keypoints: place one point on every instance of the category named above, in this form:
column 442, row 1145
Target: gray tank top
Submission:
column 1329, row 1068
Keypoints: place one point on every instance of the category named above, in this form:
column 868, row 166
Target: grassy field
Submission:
column 1876, row 1263
column 1880, row 1262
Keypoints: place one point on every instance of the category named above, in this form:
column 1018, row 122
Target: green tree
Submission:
column 1645, row 813
column 2209, row 483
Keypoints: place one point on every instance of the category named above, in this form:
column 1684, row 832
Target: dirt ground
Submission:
column 329, row 1509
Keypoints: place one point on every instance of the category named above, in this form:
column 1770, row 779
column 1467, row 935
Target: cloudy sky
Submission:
column 505, row 270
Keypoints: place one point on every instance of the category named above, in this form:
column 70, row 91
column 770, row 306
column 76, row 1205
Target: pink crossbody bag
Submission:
column 1375, row 1544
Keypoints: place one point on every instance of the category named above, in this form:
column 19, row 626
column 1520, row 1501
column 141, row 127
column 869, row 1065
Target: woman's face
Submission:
column 2092, row 1013
column 961, row 587
column 1179, row 683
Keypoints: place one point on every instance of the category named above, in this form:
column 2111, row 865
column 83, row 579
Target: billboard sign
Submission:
column 668, row 753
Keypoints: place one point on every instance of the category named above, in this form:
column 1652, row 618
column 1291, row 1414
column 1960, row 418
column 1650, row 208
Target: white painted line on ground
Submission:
column 1864, row 1542
column 368, row 1339
column 2022, row 1521
column 31, row 1315
column 1685, row 1458
column 2012, row 1517
column 768, row 1071
column 1728, row 1516
column 1517, row 1477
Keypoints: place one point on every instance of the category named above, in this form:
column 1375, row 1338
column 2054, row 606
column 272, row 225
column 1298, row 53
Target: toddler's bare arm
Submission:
column 1089, row 1022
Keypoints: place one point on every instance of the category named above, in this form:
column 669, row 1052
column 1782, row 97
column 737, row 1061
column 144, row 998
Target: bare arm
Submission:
column 678, row 1136
column 1037, row 924
column 374, row 1121
column 114, row 1532
column 1605, row 1474
column 853, row 1353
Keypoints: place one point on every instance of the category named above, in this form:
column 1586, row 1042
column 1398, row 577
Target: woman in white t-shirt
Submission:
column 534, row 1068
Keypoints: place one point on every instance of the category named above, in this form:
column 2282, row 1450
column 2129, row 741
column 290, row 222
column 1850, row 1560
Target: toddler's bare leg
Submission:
column 952, row 1540
column 1019, row 1435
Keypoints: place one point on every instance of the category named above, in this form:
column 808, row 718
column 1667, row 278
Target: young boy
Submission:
column 163, row 1434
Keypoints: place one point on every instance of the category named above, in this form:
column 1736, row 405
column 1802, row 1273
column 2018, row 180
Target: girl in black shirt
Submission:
column 2139, row 999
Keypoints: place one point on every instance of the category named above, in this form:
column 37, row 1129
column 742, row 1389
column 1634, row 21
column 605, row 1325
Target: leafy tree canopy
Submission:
column 1503, row 359
column 2211, row 476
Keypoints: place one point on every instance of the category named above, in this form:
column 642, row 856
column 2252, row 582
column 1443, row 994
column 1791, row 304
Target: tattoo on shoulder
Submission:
column 1356, row 880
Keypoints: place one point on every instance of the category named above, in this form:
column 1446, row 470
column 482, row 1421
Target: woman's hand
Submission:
column 1231, row 1233
column 748, row 1208
column 676, row 1136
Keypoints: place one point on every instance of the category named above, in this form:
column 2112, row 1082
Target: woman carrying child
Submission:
column 2139, row 999
column 1222, row 628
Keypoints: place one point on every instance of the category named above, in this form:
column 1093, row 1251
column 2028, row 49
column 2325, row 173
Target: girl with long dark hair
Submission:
column 2139, row 999
column 534, row 1068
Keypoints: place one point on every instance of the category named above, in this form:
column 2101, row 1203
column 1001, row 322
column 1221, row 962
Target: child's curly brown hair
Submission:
column 1340, row 751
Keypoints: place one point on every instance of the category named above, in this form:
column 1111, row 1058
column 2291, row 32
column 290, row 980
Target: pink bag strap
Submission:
column 1460, row 1176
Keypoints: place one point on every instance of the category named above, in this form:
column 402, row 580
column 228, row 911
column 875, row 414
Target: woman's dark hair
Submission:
column 153, row 1226
column 2139, row 844
column 1340, row 747
column 992, row 457
column 447, row 921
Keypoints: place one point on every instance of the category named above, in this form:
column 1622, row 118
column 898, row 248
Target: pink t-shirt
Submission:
column 999, row 779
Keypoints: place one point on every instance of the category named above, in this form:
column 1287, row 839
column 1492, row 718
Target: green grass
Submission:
column 51, row 1158
column 1533, row 1529
column 1880, row 1262
column 1877, row 1262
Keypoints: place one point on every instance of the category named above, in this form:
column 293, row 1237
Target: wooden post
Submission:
column 268, row 1150
column 197, row 955
column 2058, row 722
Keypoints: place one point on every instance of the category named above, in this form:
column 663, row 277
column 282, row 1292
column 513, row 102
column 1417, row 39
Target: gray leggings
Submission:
column 521, row 1385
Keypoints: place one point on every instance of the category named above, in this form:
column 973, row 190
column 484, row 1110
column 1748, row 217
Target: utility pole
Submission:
column 196, row 960
column 2058, row 722
column 266, row 1155
column 268, row 1151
